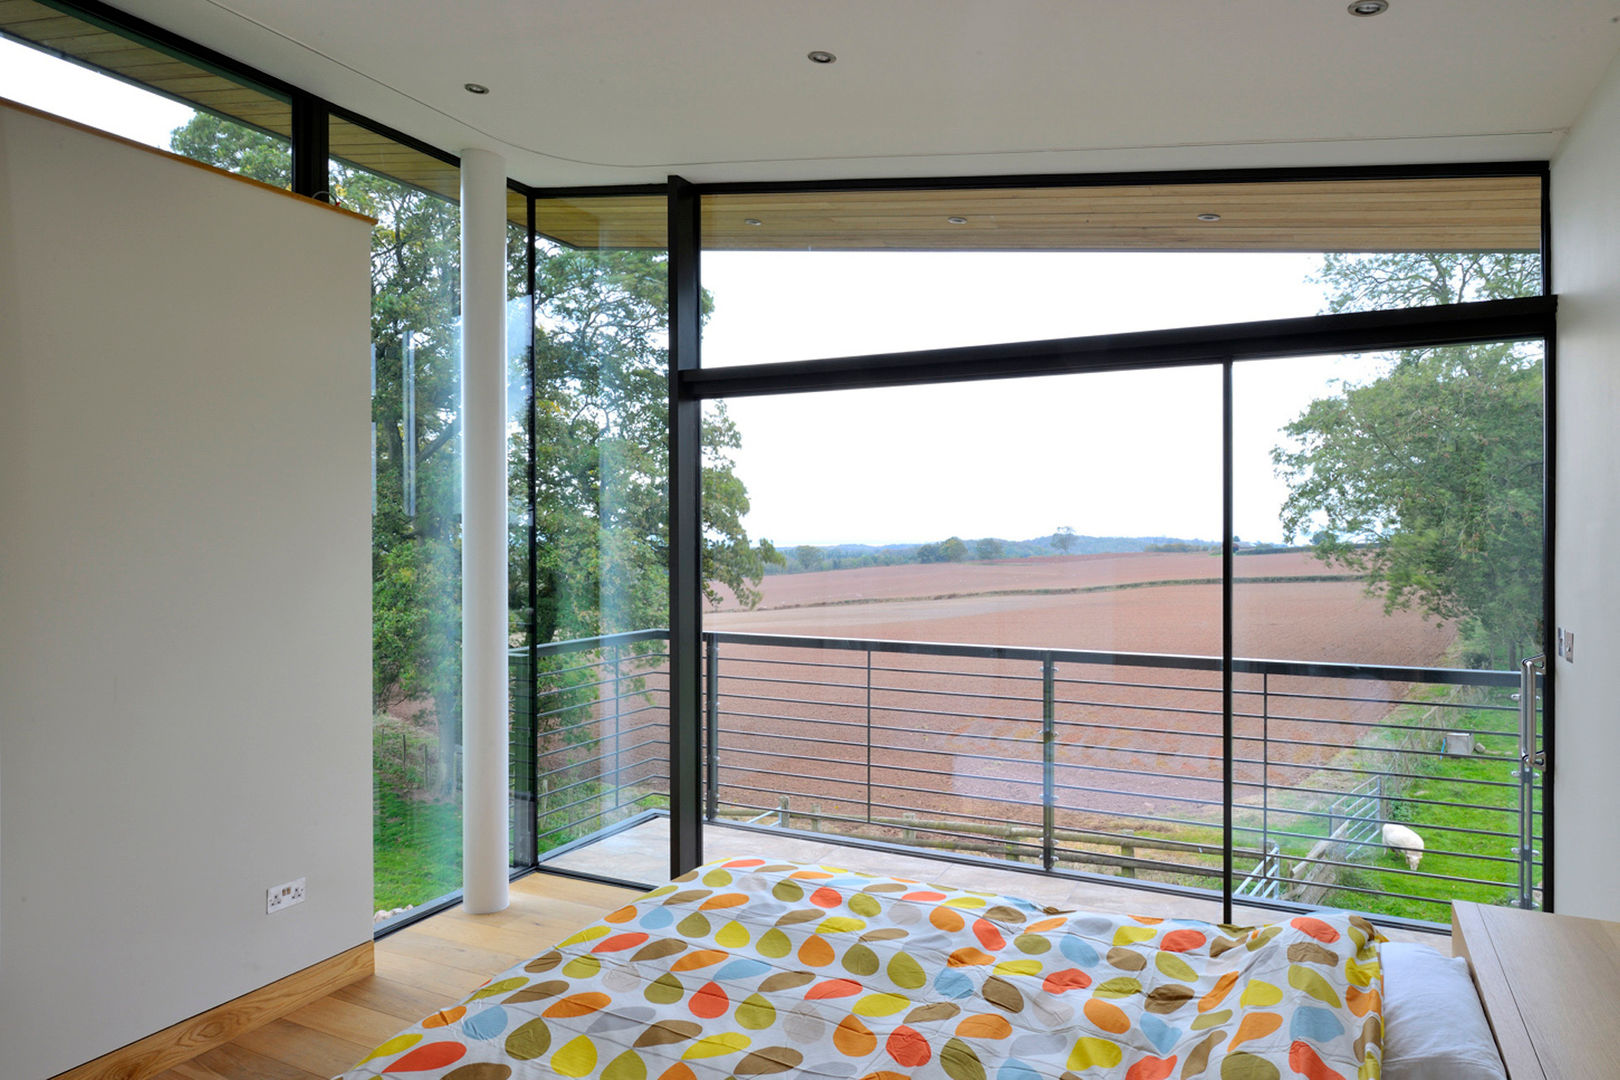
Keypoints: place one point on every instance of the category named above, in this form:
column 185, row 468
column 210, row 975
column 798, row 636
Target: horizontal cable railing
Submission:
column 1079, row 762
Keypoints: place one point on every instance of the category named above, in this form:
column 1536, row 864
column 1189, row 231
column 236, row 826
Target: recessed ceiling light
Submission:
column 821, row 56
column 1209, row 217
column 957, row 220
column 475, row 88
column 1364, row 8
column 752, row 221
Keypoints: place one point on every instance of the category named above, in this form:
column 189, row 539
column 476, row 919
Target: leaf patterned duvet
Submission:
column 747, row 968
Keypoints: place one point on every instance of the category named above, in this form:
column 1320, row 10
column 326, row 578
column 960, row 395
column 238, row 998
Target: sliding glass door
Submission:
column 1387, row 587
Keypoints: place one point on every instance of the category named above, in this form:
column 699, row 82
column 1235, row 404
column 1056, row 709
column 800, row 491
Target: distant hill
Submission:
column 806, row 557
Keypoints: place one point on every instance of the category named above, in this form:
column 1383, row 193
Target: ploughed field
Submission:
column 851, row 736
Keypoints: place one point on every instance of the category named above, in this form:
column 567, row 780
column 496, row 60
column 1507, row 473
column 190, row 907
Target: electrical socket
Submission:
column 283, row 896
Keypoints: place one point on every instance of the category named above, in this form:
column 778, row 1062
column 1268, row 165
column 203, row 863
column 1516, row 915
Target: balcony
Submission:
column 1079, row 778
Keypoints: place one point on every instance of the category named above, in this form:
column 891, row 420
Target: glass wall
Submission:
column 88, row 73
column 1388, row 582
column 416, row 524
column 961, row 568
column 519, row 533
column 811, row 275
column 601, row 521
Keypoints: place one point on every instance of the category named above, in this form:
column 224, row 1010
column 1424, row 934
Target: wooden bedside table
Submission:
column 1550, row 985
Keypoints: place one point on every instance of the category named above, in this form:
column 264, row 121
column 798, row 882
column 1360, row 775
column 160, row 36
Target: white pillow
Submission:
column 1434, row 1027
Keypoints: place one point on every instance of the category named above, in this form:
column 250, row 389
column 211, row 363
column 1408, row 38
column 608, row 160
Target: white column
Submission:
column 485, row 806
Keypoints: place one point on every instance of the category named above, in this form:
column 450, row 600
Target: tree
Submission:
column 1063, row 539
column 1427, row 478
column 987, row 549
column 954, row 550
column 808, row 557
column 602, row 452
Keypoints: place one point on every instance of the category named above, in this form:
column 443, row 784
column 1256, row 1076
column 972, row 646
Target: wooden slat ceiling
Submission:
column 1468, row 214
column 1485, row 213
column 355, row 145
column 1496, row 213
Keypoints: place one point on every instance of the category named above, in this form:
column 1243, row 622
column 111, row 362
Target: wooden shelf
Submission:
column 1550, row 985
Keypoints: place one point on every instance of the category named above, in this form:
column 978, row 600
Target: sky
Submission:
column 1118, row 454
column 45, row 82
column 1124, row 454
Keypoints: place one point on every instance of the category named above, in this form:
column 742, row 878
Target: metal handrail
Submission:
column 851, row 725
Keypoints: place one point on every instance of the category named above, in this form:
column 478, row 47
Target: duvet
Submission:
column 749, row 968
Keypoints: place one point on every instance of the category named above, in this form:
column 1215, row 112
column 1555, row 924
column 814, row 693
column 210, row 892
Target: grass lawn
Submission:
column 416, row 849
column 1452, row 836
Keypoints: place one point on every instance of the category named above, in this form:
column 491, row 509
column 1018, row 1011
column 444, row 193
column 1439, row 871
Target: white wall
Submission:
column 184, row 581
column 1586, row 275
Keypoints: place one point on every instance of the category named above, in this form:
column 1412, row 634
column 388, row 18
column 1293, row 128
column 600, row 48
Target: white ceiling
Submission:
column 628, row 91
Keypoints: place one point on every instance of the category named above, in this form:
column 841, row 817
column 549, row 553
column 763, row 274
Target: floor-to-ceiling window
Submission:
column 416, row 511
column 590, row 648
column 1388, row 586
column 917, row 602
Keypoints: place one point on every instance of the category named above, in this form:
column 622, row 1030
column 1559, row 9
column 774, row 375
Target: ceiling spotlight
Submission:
column 752, row 221
column 821, row 56
column 475, row 88
column 957, row 220
column 1364, row 8
column 1209, row 217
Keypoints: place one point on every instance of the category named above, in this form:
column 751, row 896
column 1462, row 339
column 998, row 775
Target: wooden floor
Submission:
column 419, row 969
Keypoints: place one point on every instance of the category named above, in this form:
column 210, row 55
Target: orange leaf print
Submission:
column 619, row 942
column 1152, row 1068
column 1218, row 992
column 984, row 1026
column 1361, row 1000
column 853, row 1038
column 908, row 1047
column 832, row 988
column 445, row 1017
column 578, row 1005
column 815, row 952
column 432, row 1056
column 709, row 1002
column 701, row 958
column 969, row 957
column 724, row 900
column 1304, row 1061
column 947, row 919
column 1067, row 979
column 1108, row 1017
column 1182, row 941
column 1255, row 1025
column 988, row 935
column 1316, row 928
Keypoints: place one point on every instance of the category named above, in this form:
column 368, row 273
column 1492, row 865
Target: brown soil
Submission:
column 1059, row 572
column 961, row 737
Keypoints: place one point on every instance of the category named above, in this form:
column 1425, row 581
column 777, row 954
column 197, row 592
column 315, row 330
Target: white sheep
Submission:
column 1405, row 841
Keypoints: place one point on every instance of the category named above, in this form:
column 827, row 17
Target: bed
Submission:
column 750, row 968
